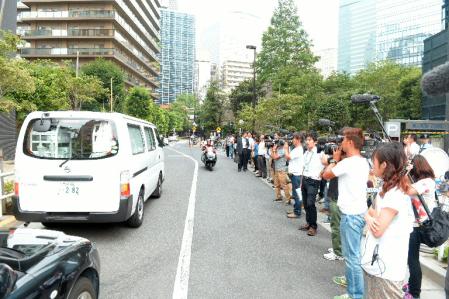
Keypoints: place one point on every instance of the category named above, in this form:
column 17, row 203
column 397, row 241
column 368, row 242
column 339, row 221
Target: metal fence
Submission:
column 3, row 175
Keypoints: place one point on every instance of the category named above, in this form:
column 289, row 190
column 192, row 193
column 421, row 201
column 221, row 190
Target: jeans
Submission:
column 335, row 215
column 351, row 229
column 296, row 183
column 326, row 198
column 414, row 282
column 309, row 191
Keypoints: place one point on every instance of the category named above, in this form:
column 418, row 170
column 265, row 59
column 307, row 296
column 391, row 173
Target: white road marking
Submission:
column 181, row 286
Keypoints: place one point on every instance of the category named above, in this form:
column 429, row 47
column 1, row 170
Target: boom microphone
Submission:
column 436, row 82
column 325, row 122
column 364, row 98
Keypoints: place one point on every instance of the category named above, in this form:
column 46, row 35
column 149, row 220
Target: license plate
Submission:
column 69, row 189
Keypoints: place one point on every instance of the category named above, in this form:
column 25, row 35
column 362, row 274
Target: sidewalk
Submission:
column 434, row 272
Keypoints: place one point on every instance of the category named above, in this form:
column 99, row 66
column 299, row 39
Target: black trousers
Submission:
column 246, row 156
column 414, row 282
column 309, row 191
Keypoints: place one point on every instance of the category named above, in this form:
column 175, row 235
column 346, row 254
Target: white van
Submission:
column 76, row 166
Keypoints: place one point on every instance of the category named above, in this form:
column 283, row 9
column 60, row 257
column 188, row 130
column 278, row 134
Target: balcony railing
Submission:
column 68, row 33
column 65, row 51
column 66, row 14
column 89, row 52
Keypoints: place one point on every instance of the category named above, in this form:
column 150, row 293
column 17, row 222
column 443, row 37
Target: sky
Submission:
column 319, row 17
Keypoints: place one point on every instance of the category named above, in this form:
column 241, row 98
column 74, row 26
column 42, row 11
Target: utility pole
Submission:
column 111, row 94
column 254, row 83
column 77, row 62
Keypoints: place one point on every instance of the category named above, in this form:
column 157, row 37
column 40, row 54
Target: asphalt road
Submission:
column 243, row 245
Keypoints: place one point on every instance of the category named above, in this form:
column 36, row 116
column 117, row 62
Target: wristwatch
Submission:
column 332, row 161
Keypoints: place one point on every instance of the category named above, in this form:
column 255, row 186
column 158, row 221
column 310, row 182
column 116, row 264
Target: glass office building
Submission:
column 385, row 29
column 357, row 35
column 402, row 26
column 177, row 55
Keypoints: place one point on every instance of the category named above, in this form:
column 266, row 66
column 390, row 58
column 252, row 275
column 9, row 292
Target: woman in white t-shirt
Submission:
column 424, row 177
column 389, row 220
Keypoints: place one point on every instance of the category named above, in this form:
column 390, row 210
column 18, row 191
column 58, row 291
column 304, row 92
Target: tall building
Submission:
column 234, row 72
column 228, row 37
column 328, row 61
column 8, row 134
column 375, row 30
column 402, row 26
column 126, row 32
column 177, row 55
column 202, row 78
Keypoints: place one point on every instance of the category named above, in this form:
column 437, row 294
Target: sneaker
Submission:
column 292, row 215
column 278, row 199
column 331, row 256
column 344, row 296
column 330, row 249
column 340, row 280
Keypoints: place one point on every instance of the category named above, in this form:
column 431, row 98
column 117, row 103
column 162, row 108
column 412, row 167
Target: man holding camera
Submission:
column 281, row 179
column 295, row 169
column 352, row 173
column 311, row 183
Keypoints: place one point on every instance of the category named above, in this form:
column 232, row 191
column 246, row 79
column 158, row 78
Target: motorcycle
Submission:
column 209, row 157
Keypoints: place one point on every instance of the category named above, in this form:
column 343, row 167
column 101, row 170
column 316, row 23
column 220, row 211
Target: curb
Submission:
column 5, row 220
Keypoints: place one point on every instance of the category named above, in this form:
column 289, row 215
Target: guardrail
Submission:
column 3, row 197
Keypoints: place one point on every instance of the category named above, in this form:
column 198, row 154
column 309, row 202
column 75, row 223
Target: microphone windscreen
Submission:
column 436, row 81
column 364, row 98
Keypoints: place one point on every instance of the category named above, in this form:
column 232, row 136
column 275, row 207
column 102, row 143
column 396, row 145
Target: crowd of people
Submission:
column 377, row 236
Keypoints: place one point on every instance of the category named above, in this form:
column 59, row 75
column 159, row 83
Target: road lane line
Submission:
column 181, row 286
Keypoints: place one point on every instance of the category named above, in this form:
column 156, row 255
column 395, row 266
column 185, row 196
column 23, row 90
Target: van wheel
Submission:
column 158, row 191
column 137, row 218
column 83, row 289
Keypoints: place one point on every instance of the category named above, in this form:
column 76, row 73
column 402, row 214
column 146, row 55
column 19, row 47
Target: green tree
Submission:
column 105, row 70
column 181, row 110
column 138, row 102
column 212, row 111
column 284, row 44
column 243, row 94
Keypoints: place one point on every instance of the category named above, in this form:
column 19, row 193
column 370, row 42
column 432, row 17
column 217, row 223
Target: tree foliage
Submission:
column 284, row 45
column 105, row 70
column 213, row 109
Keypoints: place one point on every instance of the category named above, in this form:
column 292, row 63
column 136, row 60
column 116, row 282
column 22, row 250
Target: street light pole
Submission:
column 254, row 82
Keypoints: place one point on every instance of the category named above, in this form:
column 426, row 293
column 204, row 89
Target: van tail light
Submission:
column 16, row 188
column 125, row 190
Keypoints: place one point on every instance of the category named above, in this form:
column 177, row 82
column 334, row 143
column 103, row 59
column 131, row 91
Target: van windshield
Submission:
column 77, row 139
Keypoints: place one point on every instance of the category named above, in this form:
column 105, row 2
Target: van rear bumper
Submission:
column 123, row 213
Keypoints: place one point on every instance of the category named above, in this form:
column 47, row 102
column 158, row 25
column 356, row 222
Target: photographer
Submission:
column 352, row 173
column 310, row 183
column 295, row 160
column 280, row 171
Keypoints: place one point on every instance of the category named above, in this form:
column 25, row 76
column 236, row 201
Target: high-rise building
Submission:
column 177, row 55
column 357, row 34
column 125, row 32
column 228, row 37
column 235, row 72
column 375, row 30
column 328, row 61
column 202, row 78
column 402, row 26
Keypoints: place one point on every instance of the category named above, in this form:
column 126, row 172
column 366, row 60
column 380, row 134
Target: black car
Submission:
column 38, row 263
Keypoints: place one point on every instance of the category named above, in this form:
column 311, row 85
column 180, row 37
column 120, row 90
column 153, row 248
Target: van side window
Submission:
column 158, row 139
column 150, row 139
column 135, row 135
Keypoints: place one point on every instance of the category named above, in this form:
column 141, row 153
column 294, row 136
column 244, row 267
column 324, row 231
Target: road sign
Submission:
column 218, row 129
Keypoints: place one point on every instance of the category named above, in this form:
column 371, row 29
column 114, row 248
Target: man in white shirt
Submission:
column 261, row 157
column 311, row 183
column 352, row 173
column 425, row 142
column 295, row 160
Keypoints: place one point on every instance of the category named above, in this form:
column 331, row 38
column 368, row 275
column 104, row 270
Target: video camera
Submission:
column 270, row 141
column 329, row 144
